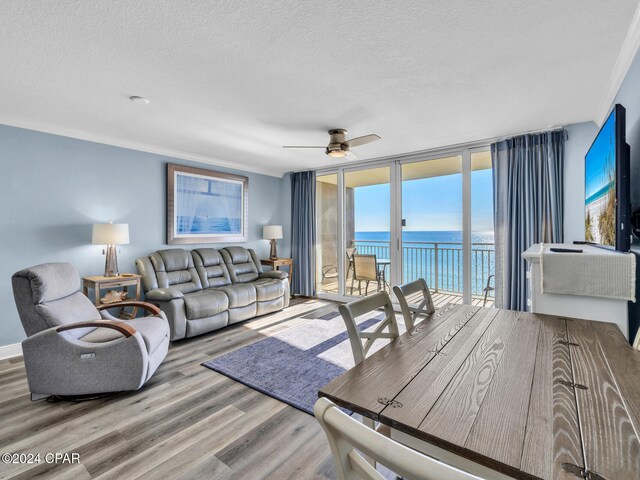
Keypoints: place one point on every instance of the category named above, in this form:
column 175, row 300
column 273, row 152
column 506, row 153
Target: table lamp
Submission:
column 272, row 233
column 110, row 234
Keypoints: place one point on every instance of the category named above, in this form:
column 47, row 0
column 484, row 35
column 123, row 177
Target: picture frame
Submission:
column 205, row 206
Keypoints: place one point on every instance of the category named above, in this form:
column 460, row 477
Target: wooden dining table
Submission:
column 506, row 394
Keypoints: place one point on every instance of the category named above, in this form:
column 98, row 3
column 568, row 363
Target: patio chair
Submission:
column 365, row 269
column 331, row 271
column 347, row 437
column 328, row 271
column 488, row 289
column 350, row 253
column 425, row 307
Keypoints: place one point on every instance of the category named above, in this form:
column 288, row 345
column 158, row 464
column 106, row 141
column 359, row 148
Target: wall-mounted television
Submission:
column 607, row 184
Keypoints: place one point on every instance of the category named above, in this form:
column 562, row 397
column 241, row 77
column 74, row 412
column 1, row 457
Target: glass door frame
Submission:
column 395, row 228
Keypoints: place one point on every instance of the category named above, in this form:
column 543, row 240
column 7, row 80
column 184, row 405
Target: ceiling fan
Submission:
column 338, row 146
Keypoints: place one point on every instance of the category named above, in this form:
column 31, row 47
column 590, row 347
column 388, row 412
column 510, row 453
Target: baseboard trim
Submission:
column 10, row 351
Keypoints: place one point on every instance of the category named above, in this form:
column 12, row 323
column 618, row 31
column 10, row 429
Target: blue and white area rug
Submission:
column 294, row 364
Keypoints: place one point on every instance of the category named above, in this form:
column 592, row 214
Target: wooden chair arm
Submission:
column 131, row 303
column 124, row 328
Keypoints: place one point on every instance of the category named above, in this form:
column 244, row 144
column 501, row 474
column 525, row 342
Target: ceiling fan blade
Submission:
column 301, row 146
column 355, row 142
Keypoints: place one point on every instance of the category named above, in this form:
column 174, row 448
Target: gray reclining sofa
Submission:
column 206, row 289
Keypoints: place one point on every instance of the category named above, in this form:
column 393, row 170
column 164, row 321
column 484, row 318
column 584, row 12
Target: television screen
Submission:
column 600, row 186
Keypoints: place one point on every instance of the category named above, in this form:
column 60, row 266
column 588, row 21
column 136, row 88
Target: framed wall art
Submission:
column 204, row 206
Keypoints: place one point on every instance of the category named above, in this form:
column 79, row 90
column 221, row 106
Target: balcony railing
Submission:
column 439, row 263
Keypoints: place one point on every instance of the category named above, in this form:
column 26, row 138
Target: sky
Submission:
column 601, row 153
column 428, row 204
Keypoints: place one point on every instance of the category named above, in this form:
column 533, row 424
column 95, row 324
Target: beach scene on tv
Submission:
column 600, row 187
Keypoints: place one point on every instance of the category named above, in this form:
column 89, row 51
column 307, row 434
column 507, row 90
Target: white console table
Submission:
column 575, row 306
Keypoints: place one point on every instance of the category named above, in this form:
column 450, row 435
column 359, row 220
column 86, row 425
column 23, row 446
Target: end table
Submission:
column 280, row 262
column 99, row 282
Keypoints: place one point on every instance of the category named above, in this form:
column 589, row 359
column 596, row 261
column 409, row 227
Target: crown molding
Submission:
column 10, row 351
column 623, row 62
column 141, row 147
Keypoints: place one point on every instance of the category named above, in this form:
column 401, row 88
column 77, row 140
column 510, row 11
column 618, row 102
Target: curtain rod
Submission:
column 433, row 151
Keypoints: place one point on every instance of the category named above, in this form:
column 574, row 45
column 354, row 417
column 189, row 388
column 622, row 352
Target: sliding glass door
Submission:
column 432, row 246
column 396, row 221
column 483, row 266
column 367, row 230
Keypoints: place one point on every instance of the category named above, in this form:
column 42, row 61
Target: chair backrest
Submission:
column 169, row 268
column 351, row 311
column 346, row 436
column 48, row 295
column 211, row 268
column 243, row 264
column 364, row 267
column 425, row 305
column 351, row 252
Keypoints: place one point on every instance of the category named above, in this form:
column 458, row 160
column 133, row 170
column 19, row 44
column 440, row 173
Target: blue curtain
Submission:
column 528, row 189
column 303, row 232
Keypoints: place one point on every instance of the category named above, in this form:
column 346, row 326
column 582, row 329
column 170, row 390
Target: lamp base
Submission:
column 111, row 262
column 274, row 254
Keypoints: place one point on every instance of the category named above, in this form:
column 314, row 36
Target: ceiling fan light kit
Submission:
column 339, row 146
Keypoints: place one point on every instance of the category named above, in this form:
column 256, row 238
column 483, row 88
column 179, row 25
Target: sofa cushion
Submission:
column 208, row 324
column 174, row 268
column 206, row 303
column 242, row 264
column 240, row 294
column 268, row 289
column 211, row 268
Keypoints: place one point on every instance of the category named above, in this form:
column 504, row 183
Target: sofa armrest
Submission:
column 124, row 328
column 163, row 294
column 132, row 303
column 274, row 274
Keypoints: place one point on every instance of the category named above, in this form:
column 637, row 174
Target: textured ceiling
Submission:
column 230, row 82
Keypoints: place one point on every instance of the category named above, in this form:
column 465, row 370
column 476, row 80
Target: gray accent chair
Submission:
column 207, row 289
column 74, row 348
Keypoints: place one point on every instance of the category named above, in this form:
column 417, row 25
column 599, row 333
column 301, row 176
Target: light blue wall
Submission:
column 53, row 188
column 581, row 136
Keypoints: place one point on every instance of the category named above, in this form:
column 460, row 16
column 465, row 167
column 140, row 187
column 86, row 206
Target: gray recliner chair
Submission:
column 74, row 349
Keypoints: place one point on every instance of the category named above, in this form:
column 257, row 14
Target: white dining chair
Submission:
column 361, row 341
column 351, row 311
column 410, row 313
column 348, row 436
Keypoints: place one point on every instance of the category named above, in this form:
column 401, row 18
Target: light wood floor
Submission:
column 188, row 422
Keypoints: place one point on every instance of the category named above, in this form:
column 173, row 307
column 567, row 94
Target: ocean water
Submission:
column 207, row 225
column 436, row 256
column 451, row 236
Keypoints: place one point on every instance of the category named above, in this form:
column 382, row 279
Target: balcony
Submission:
column 439, row 263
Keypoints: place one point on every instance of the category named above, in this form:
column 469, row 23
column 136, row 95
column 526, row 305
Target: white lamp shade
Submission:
column 110, row 234
column 272, row 232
